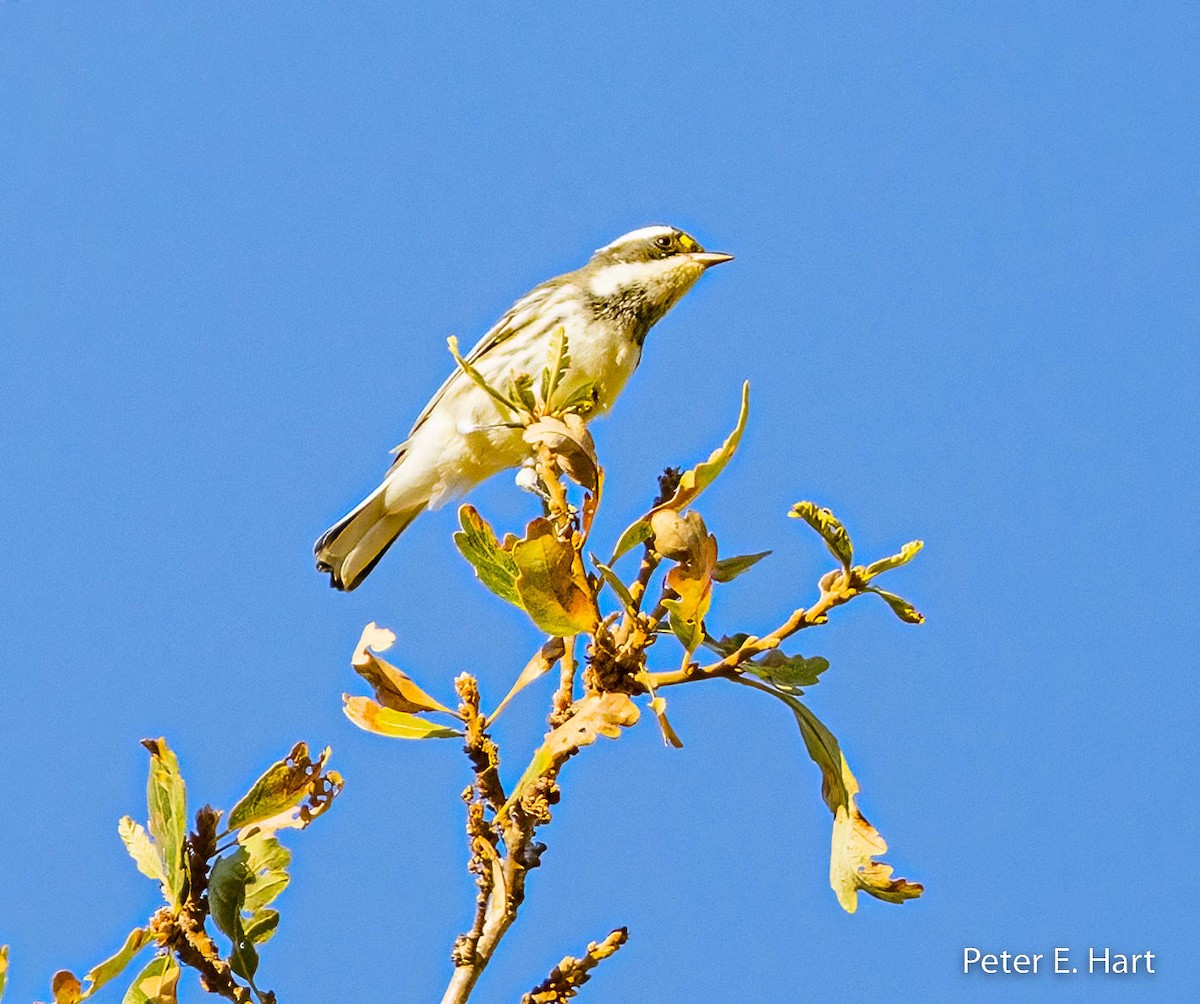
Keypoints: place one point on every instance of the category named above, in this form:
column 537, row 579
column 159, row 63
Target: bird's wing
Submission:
column 515, row 318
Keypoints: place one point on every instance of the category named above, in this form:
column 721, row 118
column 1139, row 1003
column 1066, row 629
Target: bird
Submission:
column 604, row 309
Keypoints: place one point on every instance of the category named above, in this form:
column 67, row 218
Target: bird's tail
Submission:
column 350, row 548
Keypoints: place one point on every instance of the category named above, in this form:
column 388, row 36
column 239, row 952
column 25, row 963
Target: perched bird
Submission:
column 461, row 438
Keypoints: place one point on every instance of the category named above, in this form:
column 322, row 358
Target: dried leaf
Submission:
column 680, row 538
column 907, row 553
column 729, row 569
column 66, row 987
column 285, row 786
column 141, row 848
column 112, row 967
column 542, row 662
column 552, row 584
column 659, row 706
column 691, row 483
column 591, row 503
column 492, row 561
column 571, row 443
column 595, row 715
column 166, row 799
column 393, row 688
column 156, row 984
column 851, row 868
column 900, row 606
column 692, row 581
column 852, row 864
column 829, row 527
column 372, row 717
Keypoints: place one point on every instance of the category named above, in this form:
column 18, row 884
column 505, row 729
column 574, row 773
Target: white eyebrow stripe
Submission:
column 644, row 233
column 612, row 278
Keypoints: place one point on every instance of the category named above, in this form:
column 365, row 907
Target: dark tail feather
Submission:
column 350, row 548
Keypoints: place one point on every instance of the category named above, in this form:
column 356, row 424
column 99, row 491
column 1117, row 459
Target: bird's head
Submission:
column 646, row 271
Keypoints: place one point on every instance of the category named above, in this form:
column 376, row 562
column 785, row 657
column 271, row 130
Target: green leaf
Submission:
column 829, row 527
column 521, row 391
column 691, row 483
column 615, row 584
column 900, row 606
column 141, row 848
column 493, row 563
column 227, row 887
column 789, row 673
column 156, row 984
column 268, row 861
column 556, row 368
column 261, row 926
column 581, row 401
column 552, row 584
column 727, row 644
column 728, row 569
column 478, row 378
column 166, row 799
column 907, row 553
column 635, row 533
column 285, row 785
column 372, row 717
column 112, row 967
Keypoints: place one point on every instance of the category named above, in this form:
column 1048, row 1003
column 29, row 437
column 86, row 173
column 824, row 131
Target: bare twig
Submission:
column 571, row 973
column 836, row 589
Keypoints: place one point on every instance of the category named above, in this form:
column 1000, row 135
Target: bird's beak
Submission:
column 709, row 258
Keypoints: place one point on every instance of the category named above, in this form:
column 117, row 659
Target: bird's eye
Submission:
column 663, row 242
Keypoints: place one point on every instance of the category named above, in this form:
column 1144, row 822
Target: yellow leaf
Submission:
column 372, row 717
column 595, row 715
column 691, row 483
column 542, row 662
column 552, row 584
column 692, row 581
column 852, row 864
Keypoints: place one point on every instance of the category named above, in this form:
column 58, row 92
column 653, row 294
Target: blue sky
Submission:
column 235, row 239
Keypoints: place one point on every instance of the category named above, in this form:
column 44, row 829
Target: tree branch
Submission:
column 571, row 973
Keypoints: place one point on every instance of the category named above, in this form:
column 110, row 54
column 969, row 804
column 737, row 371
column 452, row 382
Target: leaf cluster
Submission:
column 233, row 885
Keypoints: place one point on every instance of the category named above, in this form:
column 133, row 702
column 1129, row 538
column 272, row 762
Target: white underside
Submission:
column 463, row 442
